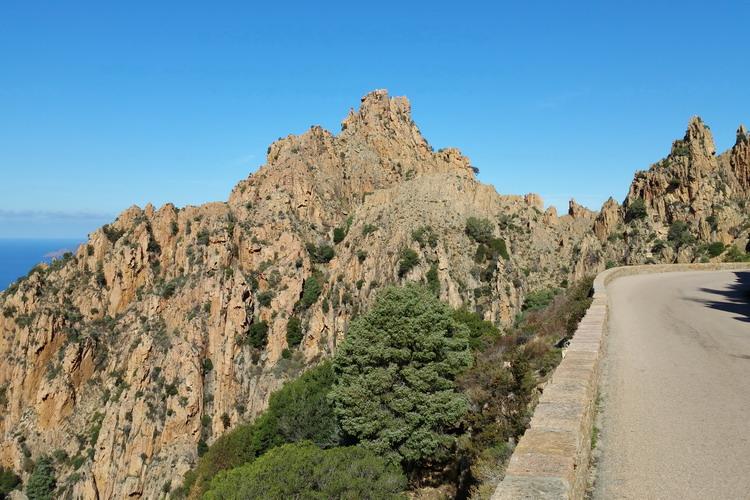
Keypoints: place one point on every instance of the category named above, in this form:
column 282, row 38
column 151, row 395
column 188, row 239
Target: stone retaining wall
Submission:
column 551, row 460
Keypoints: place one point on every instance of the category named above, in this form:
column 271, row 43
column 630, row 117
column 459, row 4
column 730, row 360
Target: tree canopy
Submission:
column 395, row 388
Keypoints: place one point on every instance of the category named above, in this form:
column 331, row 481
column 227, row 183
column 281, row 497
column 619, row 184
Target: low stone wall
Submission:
column 551, row 460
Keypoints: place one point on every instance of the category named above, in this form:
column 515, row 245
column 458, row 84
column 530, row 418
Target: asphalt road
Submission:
column 675, row 404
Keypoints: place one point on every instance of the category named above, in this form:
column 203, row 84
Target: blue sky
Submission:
column 104, row 104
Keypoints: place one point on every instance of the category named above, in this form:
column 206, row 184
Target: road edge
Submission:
column 552, row 458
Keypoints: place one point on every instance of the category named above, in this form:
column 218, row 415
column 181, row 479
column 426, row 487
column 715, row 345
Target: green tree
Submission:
column 42, row 482
column 395, row 388
column 293, row 331
column 302, row 470
column 9, row 480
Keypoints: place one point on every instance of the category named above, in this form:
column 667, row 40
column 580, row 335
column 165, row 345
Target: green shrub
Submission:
column 408, row 258
column 433, row 280
column 302, row 470
column 679, row 234
column 257, row 334
column 9, row 481
column 265, row 298
column 112, row 234
column 320, row 254
column 299, row 411
column 481, row 332
column 202, row 237
column 339, row 234
column 539, row 299
column 42, row 481
column 369, row 228
column 716, row 248
column 294, row 332
column 496, row 247
column 636, row 210
column 311, row 290
column 425, row 236
column 395, row 376
column 480, row 230
column 658, row 246
column 734, row 254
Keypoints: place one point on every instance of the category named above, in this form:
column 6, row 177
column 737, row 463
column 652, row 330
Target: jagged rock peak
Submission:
column 578, row 211
column 742, row 135
column 377, row 108
column 698, row 138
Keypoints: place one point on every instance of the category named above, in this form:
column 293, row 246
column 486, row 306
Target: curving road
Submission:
column 675, row 409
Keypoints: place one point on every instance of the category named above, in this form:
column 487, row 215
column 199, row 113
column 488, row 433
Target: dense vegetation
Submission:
column 42, row 481
column 417, row 395
column 302, row 470
column 9, row 481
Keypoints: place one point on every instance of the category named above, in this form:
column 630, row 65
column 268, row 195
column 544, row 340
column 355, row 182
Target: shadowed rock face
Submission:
column 147, row 341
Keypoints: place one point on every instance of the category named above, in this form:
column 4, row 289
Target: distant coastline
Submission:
column 19, row 256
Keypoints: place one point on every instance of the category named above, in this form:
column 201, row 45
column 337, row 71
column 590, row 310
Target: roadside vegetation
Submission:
column 418, row 395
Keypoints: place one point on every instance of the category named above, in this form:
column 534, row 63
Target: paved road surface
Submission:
column 675, row 412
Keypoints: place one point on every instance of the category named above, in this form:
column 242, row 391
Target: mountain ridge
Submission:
column 169, row 326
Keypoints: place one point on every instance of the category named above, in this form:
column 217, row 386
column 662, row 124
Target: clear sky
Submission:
column 108, row 104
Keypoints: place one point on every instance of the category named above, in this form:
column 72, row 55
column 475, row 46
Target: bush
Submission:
column 202, row 237
column 293, row 332
column 303, row 470
column 504, row 378
column 636, row 210
column 716, row 248
column 395, row 376
column 320, row 254
column 679, row 234
column 481, row 332
column 311, row 290
column 425, row 236
column 9, row 480
column 298, row 411
column 433, row 280
column 257, row 334
column 480, row 230
column 42, row 482
column 539, row 299
column 265, row 298
column 408, row 258
column 734, row 254
column 339, row 234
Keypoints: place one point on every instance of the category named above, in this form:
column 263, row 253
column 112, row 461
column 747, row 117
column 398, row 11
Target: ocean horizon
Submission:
column 19, row 256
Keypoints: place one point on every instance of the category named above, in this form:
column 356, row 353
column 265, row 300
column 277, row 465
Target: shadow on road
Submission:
column 736, row 299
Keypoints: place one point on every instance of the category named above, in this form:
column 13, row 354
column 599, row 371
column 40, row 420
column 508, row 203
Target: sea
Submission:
column 18, row 257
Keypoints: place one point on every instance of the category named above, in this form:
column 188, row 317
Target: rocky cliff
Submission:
column 170, row 326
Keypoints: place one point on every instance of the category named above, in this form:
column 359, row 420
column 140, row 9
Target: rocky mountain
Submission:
column 170, row 326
